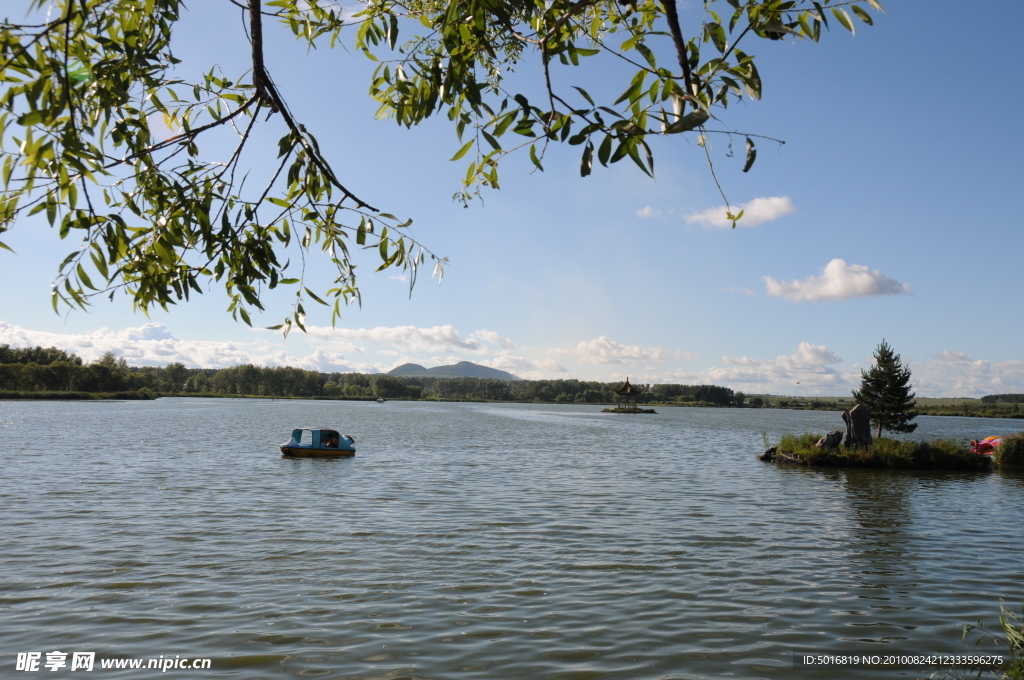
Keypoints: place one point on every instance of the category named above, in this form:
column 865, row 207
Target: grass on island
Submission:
column 941, row 454
column 628, row 410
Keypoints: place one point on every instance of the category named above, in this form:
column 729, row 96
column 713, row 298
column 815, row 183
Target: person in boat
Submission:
column 330, row 440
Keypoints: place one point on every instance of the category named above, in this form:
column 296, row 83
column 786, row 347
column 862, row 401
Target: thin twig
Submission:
column 190, row 135
column 711, row 166
column 38, row 37
column 575, row 7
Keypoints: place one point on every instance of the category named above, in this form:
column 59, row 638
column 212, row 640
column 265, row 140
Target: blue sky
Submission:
column 889, row 213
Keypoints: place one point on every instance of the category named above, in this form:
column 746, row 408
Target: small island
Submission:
column 857, row 448
column 625, row 399
column 885, row 400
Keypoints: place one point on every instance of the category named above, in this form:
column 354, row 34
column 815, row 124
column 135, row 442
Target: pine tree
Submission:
column 885, row 390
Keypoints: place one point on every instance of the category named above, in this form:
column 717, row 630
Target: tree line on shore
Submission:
column 1003, row 398
column 40, row 369
column 48, row 371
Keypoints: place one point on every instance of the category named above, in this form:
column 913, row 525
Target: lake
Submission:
column 485, row 541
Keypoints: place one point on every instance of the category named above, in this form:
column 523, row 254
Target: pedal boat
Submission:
column 986, row 446
column 323, row 443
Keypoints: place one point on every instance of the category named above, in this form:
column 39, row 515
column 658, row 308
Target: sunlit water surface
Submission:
column 483, row 541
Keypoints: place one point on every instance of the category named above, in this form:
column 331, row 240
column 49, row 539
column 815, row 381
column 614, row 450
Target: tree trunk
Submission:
column 879, row 429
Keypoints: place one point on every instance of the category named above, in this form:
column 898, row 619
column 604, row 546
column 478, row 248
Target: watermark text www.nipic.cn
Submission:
column 86, row 661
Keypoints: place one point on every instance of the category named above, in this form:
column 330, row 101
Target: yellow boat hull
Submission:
column 306, row 452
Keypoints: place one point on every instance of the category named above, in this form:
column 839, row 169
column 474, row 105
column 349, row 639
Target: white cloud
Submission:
column 963, row 377
column 648, row 211
column 152, row 344
column 757, row 211
column 406, row 338
column 816, row 370
column 605, row 351
column 810, row 369
column 952, row 357
column 811, row 355
column 526, row 369
column 492, row 338
column 838, row 281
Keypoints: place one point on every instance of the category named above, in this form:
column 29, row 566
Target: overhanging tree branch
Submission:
column 266, row 90
column 672, row 16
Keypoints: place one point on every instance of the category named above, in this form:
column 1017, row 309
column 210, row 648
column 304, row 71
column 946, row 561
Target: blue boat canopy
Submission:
column 320, row 438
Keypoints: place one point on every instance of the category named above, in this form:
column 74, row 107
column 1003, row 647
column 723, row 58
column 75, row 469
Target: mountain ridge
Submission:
column 463, row 369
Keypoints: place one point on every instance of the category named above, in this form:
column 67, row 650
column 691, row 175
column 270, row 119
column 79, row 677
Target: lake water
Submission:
column 484, row 541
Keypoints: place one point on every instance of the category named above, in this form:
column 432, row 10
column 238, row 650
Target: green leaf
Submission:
column 862, row 15
column 605, row 150
column 84, row 277
column 100, row 262
column 491, row 140
column 314, row 296
column 534, row 158
column 584, row 93
column 821, row 14
column 634, row 154
column 31, row 118
column 751, row 155
column 648, row 55
column 620, row 151
column 462, row 152
column 692, row 120
column 716, row 33
column 734, row 218
column 844, row 19
column 587, row 162
column 287, row 281
column 753, row 81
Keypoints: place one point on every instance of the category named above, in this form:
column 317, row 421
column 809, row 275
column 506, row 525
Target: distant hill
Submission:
column 463, row 369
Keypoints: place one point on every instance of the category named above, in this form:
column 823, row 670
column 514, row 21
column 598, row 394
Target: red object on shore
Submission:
column 986, row 446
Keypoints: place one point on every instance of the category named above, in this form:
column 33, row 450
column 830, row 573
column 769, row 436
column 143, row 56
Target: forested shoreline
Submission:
column 34, row 372
column 49, row 373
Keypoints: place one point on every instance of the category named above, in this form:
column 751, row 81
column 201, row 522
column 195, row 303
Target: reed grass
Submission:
column 1011, row 450
column 1012, row 637
column 1013, row 629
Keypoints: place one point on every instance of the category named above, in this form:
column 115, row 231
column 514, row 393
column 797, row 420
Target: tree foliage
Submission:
column 43, row 356
column 157, row 218
column 886, row 390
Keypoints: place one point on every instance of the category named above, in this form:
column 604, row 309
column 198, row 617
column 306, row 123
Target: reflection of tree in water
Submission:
column 880, row 565
column 878, row 504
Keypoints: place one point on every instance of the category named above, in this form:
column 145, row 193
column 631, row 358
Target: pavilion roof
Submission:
column 626, row 388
